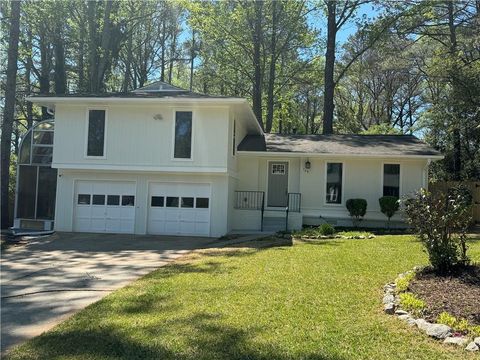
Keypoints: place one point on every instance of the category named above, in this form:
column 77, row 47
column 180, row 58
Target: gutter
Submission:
column 328, row 155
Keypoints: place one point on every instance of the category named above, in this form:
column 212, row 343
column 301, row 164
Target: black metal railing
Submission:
column 251, row 200
column 294, row 203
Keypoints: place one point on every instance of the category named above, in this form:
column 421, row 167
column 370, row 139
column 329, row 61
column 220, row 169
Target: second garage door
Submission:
column 179, row 209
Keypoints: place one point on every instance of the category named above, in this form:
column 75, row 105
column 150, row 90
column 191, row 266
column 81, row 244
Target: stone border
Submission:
column 391, row 306
column 326, row 237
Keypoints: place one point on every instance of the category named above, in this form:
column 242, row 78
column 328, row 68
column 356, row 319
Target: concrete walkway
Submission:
column 50, row 278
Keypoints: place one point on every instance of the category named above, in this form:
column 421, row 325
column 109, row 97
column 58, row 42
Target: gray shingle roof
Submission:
column 390, row 145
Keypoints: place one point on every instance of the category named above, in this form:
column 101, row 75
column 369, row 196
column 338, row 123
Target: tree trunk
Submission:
column 173, row 55
column 105, row 45
column 257, row 85
column 126, row 80
column 9, row 110
column 329, row 88
column 92, row 47
column 59, row 51
column 28, row 82
column 81, row 55
column 457, row 142
column 162, row 64
column 271, row 78
column 192, row 58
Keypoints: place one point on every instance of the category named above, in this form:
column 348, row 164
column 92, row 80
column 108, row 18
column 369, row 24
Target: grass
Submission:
column 317, row 300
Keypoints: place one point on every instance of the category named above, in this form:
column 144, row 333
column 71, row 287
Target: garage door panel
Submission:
column 164, row 217
column 101, row 209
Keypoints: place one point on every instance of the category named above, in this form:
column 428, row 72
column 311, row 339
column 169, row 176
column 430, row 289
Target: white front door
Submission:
column 179, row 209
column 104, row 206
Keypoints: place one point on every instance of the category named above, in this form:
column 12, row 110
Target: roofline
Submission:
column 80, row 99
column 310, row 154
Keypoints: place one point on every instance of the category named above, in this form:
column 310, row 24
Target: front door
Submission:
column 277, row 183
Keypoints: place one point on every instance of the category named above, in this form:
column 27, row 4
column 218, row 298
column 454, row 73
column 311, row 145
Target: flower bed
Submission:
column 421, row 299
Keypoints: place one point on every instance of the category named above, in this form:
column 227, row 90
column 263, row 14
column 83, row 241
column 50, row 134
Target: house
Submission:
column 163, row 160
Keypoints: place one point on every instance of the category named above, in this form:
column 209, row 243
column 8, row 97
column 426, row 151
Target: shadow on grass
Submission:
column 200, row 336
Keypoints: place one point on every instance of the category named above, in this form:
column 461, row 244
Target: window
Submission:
column 183, row 135
column 187, row 202
column 157, row 201
column 234, row 134
column 113, row 200
column 334, row 183
column 128, row 200
column 83, row 199
column 98, row 200
column 172, row 201
column 202, row 203
column 391, row 180
column 278, row 169
column 96, row 133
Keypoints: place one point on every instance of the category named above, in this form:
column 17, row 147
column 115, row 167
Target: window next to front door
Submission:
column 333, row 189
column 96, row 133
column 391, row 180
column 183, row 135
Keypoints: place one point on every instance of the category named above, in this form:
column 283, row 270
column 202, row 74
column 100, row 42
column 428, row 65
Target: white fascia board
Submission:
column 140, row 168
column 125, row 100
column 328, row 155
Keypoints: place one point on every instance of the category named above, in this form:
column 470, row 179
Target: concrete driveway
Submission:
column 50, row 278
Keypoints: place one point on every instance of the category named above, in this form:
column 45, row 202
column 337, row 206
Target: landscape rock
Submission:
column 422, row 324
column 388, row 299
column 477, row 340
column 438, row 331
column 389, row 308
column 456, row 340
column 472, row 347
column 401, row 312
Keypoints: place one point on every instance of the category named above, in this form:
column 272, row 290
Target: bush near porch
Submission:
column 318, row 300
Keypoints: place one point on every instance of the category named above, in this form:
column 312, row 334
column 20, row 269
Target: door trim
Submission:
column 266, row 182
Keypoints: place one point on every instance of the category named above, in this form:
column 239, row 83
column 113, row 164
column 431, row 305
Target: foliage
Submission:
column 440, row 222
column 403, row 282
column 389, row 206
column 410, row 302
column 322, row 230
column 461, row 325
column 326, row 229
column 357, row 209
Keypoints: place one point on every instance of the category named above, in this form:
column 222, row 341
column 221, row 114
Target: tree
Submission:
column 9, row 110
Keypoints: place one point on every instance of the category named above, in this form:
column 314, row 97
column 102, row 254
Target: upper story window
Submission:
column 183, row 135
column 96, row 133
column 333, row 189
column 391, row 180
column 234, row 135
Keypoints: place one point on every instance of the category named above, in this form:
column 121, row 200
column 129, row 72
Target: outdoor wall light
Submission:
column 307, row 165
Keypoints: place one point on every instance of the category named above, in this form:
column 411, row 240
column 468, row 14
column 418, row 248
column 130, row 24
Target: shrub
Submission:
column 440, row 222
column 411, row 303
column 447, row 319
column 357, row 209
column 461, row 325
column 326, row 229
column 389, row 206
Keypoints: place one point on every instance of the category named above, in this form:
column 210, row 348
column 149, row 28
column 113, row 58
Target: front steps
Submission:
column 273, row 224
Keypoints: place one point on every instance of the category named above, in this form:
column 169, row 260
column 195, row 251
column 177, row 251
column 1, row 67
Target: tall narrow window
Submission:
column 333, row 189
column 391, row 180
column 183, row 135
column 234, row 140
column 96, row 133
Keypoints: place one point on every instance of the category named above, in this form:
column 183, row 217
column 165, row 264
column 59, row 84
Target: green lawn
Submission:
column 308, row 301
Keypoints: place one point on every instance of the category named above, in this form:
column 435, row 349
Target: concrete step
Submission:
column 273, row 223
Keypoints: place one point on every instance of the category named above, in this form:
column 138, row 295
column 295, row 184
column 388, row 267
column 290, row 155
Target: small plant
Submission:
column 389, row 206
column 402, row 283
column 461, row 325
column 326, row 229
column 411, row 303
column 440, row 222
column 357, row 209
column 447, row 319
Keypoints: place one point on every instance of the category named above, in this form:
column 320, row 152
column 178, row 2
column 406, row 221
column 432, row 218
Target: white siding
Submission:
column 66, row 184
column 134, row 138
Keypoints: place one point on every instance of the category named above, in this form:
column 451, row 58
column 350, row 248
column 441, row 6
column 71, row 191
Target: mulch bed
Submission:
column 457, row 293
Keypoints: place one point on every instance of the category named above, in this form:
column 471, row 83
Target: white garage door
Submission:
column 179, row 209
column 104, row 206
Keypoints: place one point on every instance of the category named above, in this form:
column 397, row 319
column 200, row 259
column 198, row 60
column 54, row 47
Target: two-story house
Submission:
column 163, row 160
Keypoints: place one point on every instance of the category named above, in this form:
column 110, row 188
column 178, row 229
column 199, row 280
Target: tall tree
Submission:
column 9, row 110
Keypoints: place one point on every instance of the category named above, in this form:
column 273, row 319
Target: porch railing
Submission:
column 251, row 200
column 294, row 203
